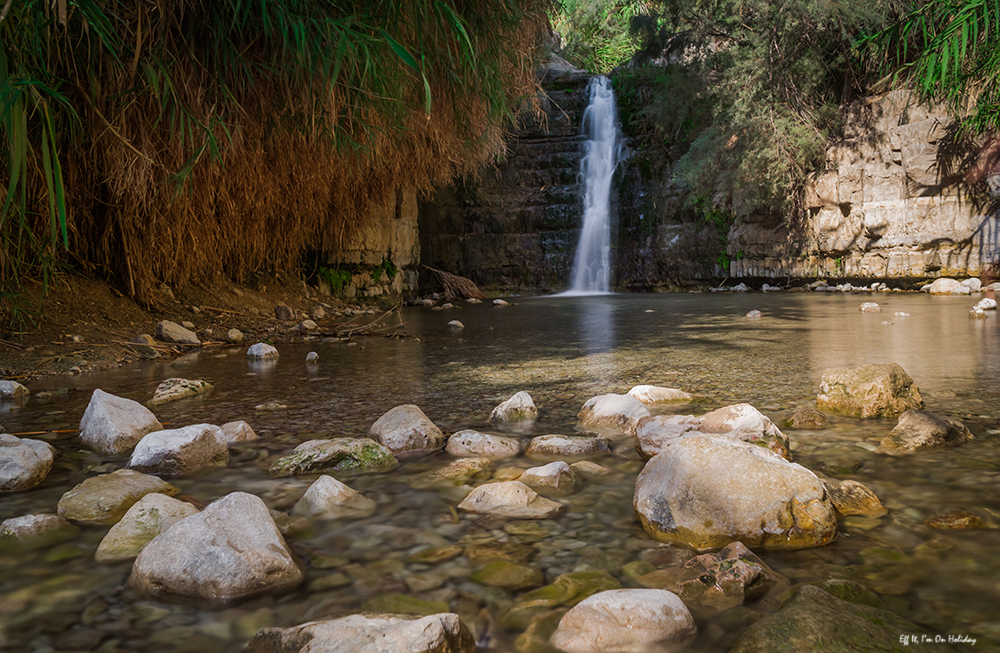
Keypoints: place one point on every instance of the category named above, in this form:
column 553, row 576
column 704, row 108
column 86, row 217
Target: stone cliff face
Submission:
column 891, row 204
column 517, row 226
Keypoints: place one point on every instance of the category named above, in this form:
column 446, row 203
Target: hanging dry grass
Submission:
column 223, row 138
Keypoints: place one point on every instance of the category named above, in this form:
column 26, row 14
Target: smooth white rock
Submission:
column 13, row 390
column 168, row 331
column 24, row 463
column 620, row 413
column 987, row 304
column 407, row 430
column 328, row 498
column 470, row 443
column 147, row 518
column 509, row 499
column 261, row 351
column 553, row 478
column 177, row 452
column 519, row 407
column 238, row 431
column 114, row 424
column 651, row 394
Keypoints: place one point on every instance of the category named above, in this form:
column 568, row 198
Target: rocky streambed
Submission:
column 713, row 508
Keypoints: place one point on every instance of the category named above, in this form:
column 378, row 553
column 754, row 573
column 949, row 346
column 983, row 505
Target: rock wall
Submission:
column 516, row 227
column 391, row 234
column 892, row 203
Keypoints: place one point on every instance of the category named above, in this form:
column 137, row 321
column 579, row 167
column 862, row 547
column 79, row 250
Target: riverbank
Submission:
column 85, row 324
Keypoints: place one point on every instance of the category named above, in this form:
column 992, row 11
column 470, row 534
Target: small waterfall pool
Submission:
column 592, row 264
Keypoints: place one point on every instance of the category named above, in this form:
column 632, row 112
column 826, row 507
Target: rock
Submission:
column 754, row 313
column 238, row 431
column 740, row 287
column 349, row 455
column 147, row 518
column 977, row 313
column 104, row 499
column 815, row 620
column 500, row 302
column 624, row 620
column 589, row 469
column 569, row 589
column 957, row 520
column 508, row 575
column 231, row 550
column 34, row 532
column 317, row 313
column 368, row 633
column 180, row 452
column 480, row 554
column 874, row 390
column 712, row 583
column 509, row 499
column 261, row 351
column 405, row 430
column 404, row 604
column 518, row 408
column 944, row 286
column 307, row 325
column 740, row 422
column 611, row 412
column 554, row 479
column 312, row 357
column 993, row 287
column 454, row 324
column 189, row 325
column 284, row 313
column 870, row 307
column 987, row 304
column 704, row 492
column 328, row 498
column 973, row 284
column 168, row 331
column 234, row 336
column 651, row 394
column 918, row 431
column 853, row 498
column 143, row 339
column 24, row 463
column 174, row 389
column 549, row 447
column 470, row 443
column 13, row 390
column 807, row 418
column 454, row 474
column 114, row 424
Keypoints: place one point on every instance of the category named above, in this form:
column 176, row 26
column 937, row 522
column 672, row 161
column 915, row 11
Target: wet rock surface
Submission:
column 518, row 408
column 105, row 499
column 554, row 447
column 328, row 498
column 24, row 463
column 147, row 518
column 347, row 455
column 180, row 452
column 509, row 499
column 875, row 390
column 177, row 388
column 612, row 413
column 115, row 424
column 919, row 431
column 469, row 442
column 405, row 430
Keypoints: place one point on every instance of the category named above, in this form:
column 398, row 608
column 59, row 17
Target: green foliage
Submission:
column 336, row 279
column 386, row 266
column 743, row 94
column 947, row 49
column 596, row 32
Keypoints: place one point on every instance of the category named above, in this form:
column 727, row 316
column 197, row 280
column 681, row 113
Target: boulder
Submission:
column 853, row 498
column 13, row 390
column 625, row 620
column 345, row 455
column 814, row 620
column 651, row 394
column 168, row 331
column 614, row 413
column 870, row 307
column 509, row 499
column 284, row 313
column 974, row 284
column 740, row 422
column 993, row 287
column 518, row 408
column 174, row 389
column 328, row 498
column 555, row 447
column 234, row 336
column 179, row 452
column 104, row 499
column 714, row 582
column 34, row 532
column 554, row 479
column 229, row 551
column 367, row 633
column 238, row 431
column 261, row 351
column 704, row 492
column 147, row 518
column 874, row 390
column 919, row 431
column 24, row 463
column 405, row 430
column 944, row 286
column 470, row 443
column 114, row 424
column 307, row 325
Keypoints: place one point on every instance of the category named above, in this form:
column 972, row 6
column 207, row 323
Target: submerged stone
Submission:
column 651, row 394
column 919, row 431
column 875, row 390
column 853, row 498
column 146, row 519
column 34, row 532
column 404, row 604
column 509, row 499
column 556, row 447
column 613, row 413
column 328, row 498
column 508, row 575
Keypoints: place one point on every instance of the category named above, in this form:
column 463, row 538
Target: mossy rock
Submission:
column 346, row 455
column 569, row 589
column 508, row 575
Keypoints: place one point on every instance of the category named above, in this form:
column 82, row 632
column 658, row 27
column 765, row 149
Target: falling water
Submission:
column 592, row 265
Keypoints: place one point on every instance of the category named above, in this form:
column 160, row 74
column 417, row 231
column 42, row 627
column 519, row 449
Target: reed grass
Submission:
column 166, row 141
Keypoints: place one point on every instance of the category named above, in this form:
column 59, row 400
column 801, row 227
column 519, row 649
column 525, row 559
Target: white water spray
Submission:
column 592, row 265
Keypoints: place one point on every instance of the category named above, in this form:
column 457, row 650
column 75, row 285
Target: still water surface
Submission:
column 562, row 351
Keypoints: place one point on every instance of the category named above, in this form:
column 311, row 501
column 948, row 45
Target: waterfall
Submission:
column 592, row 264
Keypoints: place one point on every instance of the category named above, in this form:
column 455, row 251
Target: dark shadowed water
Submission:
column 562, row 351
